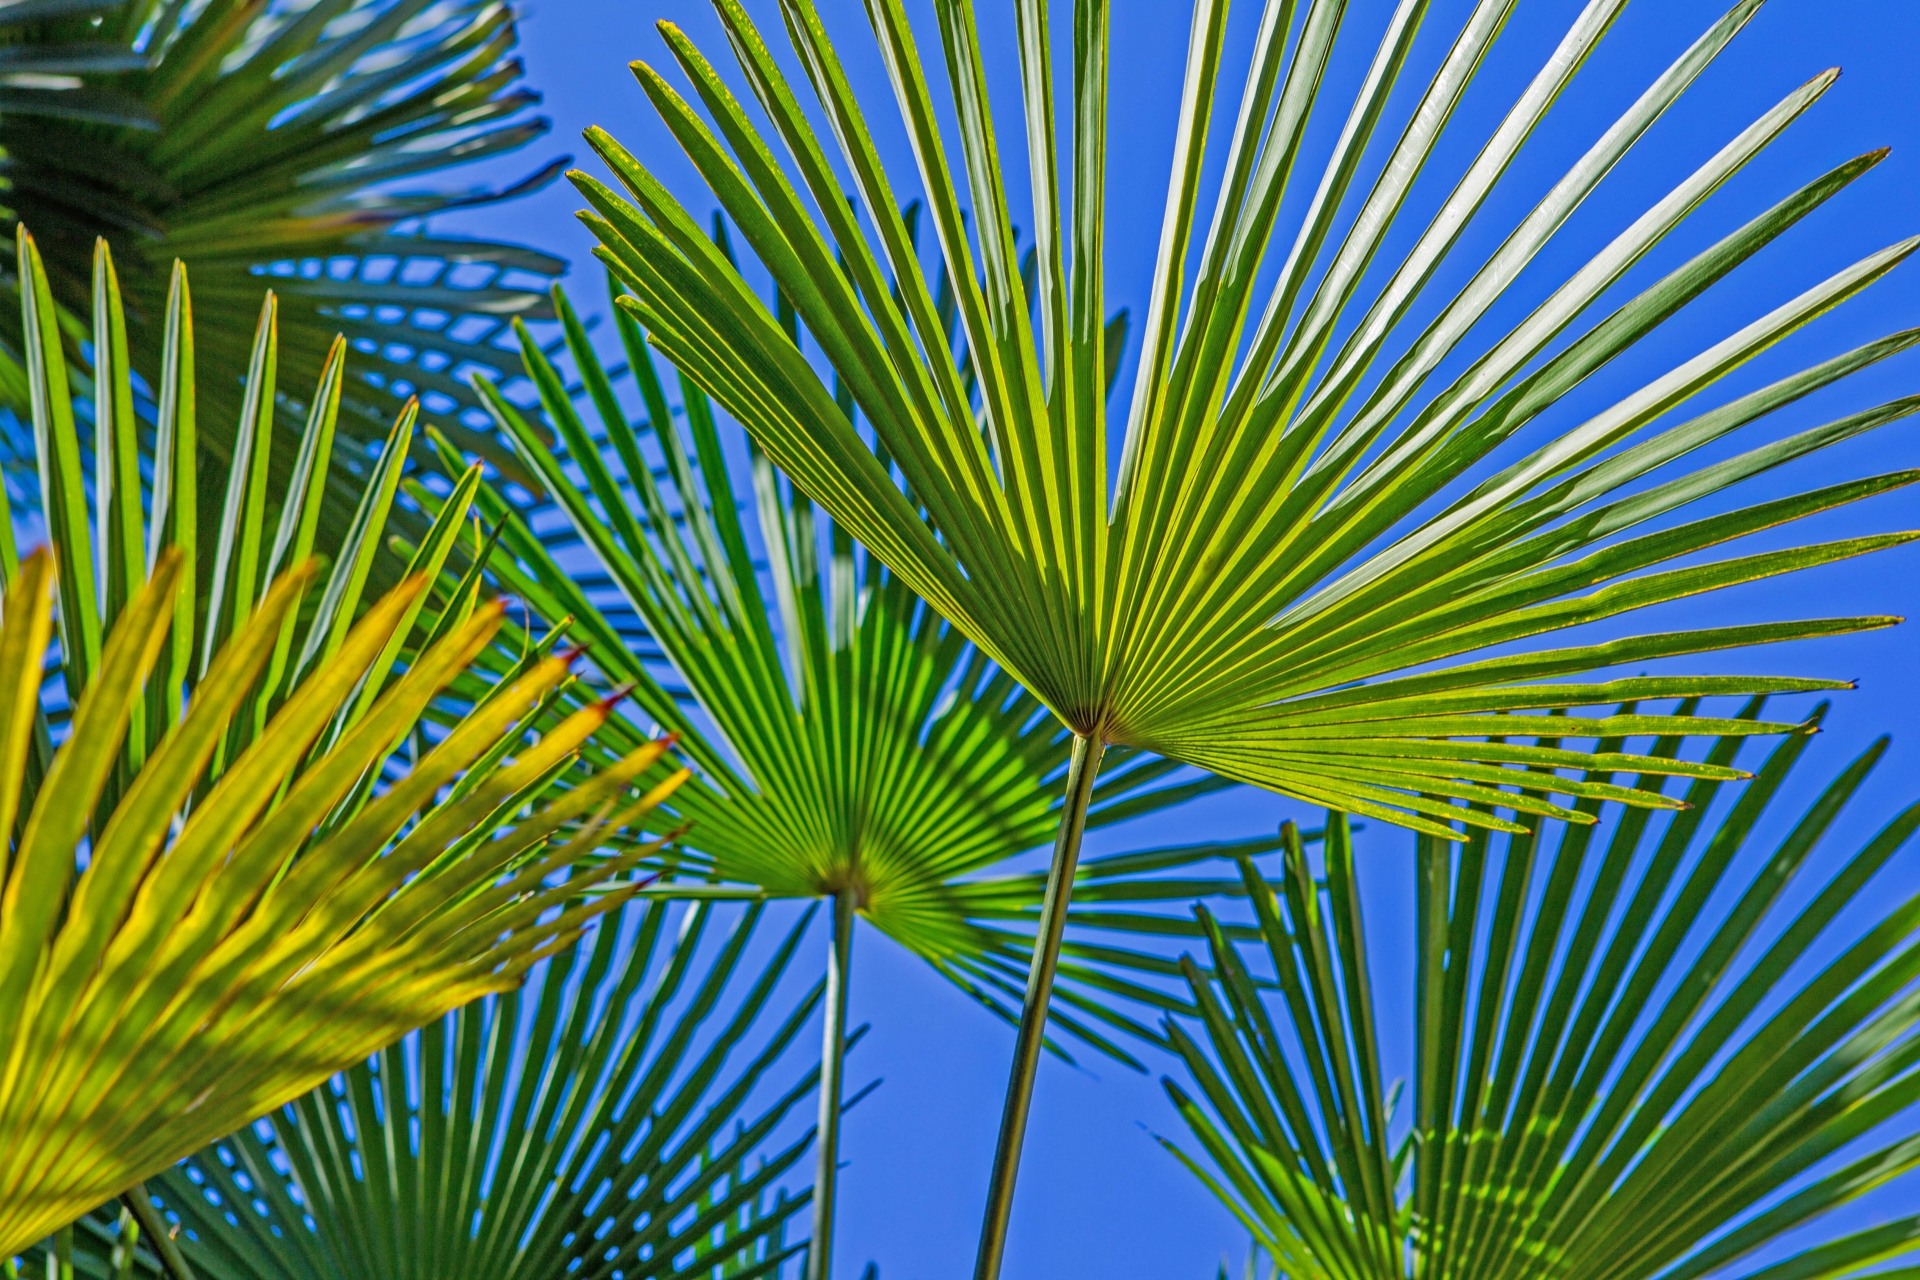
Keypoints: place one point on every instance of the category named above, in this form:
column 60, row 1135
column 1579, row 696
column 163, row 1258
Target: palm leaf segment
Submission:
column 1300, row 516
column 167, row 978
column 267, row 138
column 856, row 744
column 593, row 1123
column 1656, row 1058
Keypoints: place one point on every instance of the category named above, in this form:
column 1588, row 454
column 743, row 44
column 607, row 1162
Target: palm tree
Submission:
column 251, row 138
column 589, row 1124
column 210, row 904
column 1315, row 571
column 855, row 748
column 1659, row 1062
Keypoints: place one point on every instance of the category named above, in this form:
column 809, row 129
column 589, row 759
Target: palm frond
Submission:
column 845, row 739
column 1303, row 530
column 224, row 885
column 1654, row 1062
column 47, row 60
column 593, row 1123
column 269, row 139
column 849, row 743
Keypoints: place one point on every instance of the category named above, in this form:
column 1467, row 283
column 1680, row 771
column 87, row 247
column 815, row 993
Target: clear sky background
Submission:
column 1097, row 1196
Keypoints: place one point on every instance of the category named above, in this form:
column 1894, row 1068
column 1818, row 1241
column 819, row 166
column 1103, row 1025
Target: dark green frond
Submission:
column 268, row 139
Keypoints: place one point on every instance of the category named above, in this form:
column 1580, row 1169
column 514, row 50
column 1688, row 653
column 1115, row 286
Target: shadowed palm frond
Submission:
column 53, row 52
column 1649, row 1051
column 270, row 138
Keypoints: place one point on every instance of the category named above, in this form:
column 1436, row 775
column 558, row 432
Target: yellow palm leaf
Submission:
column 224, row 885
column 225, row 948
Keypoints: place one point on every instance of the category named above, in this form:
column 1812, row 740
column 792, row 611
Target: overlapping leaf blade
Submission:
column 846, row 739
column 567, row 1127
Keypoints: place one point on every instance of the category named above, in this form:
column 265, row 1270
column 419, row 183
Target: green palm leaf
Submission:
column 1656, row 1062
column 1324, row 564
column 223, row 886
column 265, row 139
column 848, row 743
column 853, row 743
column 592, row 1123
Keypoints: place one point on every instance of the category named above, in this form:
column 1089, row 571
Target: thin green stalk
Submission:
column 833, row 1056
column 127, row 1240
column 154, row 1228
column 1081, row 772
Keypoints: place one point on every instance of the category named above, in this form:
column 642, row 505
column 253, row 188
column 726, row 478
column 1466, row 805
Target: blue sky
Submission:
column 1097, row 1196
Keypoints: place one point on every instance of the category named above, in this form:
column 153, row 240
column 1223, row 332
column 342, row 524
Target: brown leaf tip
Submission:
column 615, row 697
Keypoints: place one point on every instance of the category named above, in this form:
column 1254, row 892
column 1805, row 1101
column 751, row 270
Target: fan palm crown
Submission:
column 1272, row 534
column 1322, row 554
column 848, row 743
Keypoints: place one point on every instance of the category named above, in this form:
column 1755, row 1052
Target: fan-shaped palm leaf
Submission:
column 1645, row 1065
column 209, row 906
column 182, row 986
column 861, row 749
column 1302, row 572
column 273, row 133
column 592, row 1123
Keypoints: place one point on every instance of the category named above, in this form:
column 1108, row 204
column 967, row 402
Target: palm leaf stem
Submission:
column 154, row 1227
column 833, row 1055
column 1081, row 772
